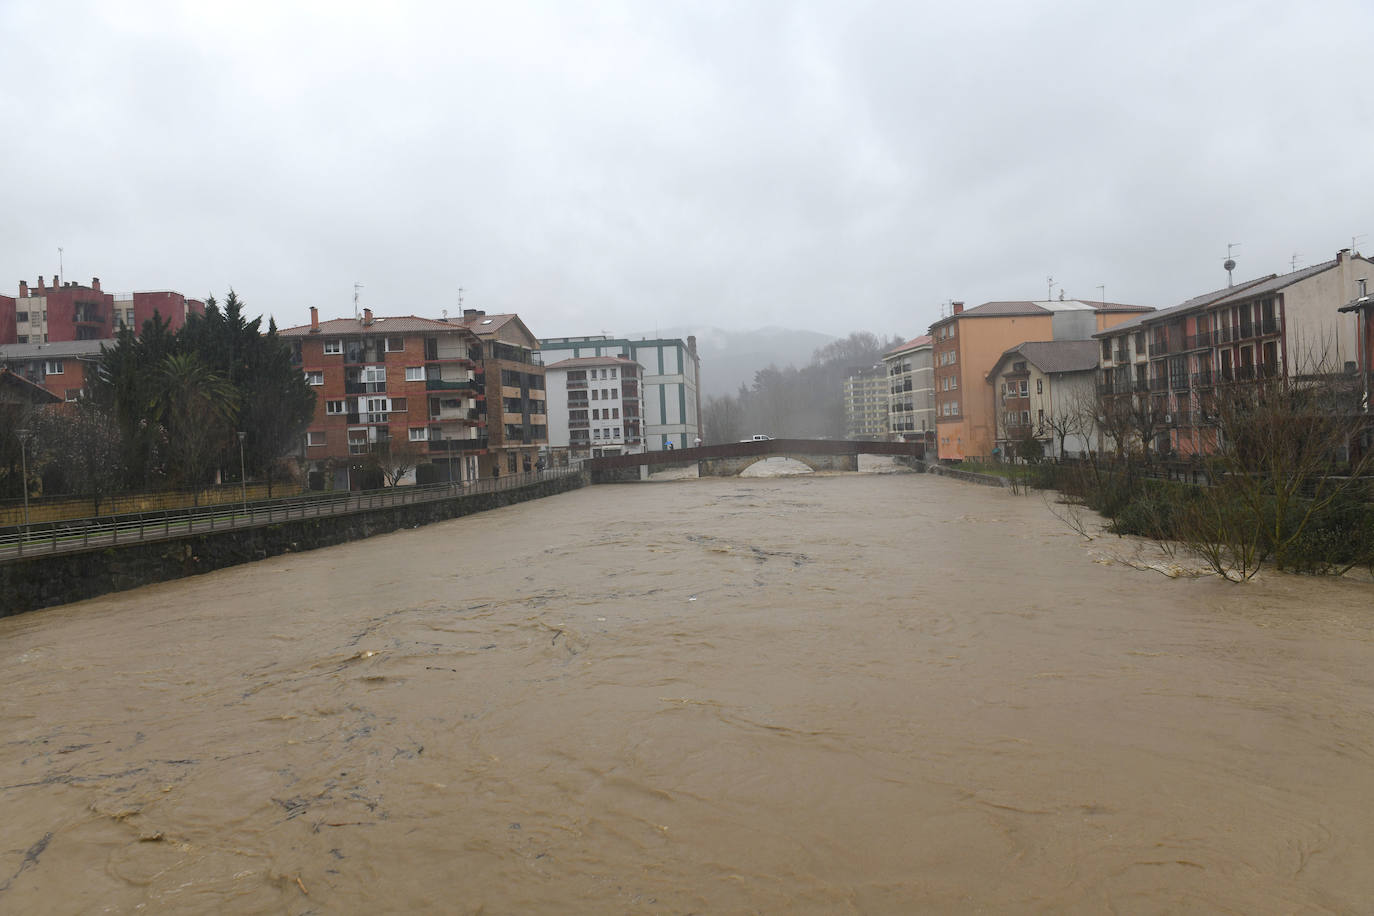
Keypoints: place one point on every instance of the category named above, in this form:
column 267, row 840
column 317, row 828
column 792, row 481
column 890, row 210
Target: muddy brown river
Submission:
column 824, row 694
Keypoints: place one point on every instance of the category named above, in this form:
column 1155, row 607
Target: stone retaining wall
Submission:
column 29, row 584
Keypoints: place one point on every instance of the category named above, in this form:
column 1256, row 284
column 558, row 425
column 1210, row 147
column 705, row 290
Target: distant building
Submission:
column 70, row 311
column 60, row 367
column 911, row 389
column 969, row 343
column 595, row 406
column 1362, row 307
column 1170, row 362
column 518, row 424
column 671, row 404
column 1044, row 390
column 865, row 403
column 391, row 380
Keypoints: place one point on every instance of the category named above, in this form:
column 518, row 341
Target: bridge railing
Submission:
column 762, row 447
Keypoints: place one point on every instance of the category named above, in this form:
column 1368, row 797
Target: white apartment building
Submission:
column 671, row 401
column 595, row 406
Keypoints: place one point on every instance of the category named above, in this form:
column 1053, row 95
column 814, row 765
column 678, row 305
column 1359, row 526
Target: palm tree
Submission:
column 196, row 407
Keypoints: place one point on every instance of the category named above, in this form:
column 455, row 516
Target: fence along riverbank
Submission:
column 63, row 562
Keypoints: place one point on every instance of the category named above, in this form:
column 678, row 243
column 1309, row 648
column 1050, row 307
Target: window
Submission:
column 334, row 407
column 378, row 405
column 128, row 315
column 595, row 394
column 395, row 344
column 596, row 414
column 612, row 393
column 21, row 317
column 374, row 374
column 415, row 373
column 596, row 433
column 612, row 373
column 314, row 378
column 314, row 437
column 1039, row 386
column 418, row 434
column 615, row 413
column 52, row 367
column 1025, row 389
column 333, row 347
column 398, row 405
column 616, row 433
column 22, row 338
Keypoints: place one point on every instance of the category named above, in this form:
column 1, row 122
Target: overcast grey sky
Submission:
column 834, row 166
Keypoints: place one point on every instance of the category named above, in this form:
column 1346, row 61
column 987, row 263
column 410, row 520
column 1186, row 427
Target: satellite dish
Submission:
column 1230, row 264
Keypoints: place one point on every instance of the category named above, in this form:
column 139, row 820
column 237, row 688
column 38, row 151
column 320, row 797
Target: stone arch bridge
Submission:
column 729, row 460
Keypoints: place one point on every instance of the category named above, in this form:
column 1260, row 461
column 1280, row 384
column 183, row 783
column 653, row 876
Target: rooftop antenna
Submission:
column 1049, row 291
column 1293, row 263
column 1354, row 240
column 1103, row 287
column 61, row 274
column 356, row 287
column 1230, row 262
column 460, row 300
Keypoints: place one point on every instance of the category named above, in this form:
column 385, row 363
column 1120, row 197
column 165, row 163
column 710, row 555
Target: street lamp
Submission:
column 243, row 478
column 24, row 476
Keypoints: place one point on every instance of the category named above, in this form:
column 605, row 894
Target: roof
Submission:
column 1005, row 308
column 1050, row 356
column 399, row 324
column 1257, row 287
column 57, row 349
column 913, row 343
column 27, row 390
column 581, row 361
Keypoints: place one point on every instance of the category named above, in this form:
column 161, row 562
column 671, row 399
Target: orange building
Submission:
column 968, row 344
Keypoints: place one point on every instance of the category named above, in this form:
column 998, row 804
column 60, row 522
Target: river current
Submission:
column 844, row 693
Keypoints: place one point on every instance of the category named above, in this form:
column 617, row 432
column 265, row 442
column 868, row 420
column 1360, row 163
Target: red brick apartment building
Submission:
column 397, row 379
column 70, row 311
column 61, row 367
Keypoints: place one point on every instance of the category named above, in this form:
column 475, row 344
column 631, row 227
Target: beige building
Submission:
column 911, row 389
column 968, row 343
column 865, row 403
column 1045, row 390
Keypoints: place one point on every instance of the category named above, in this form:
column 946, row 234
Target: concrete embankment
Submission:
column 39, row 582
column 987, row 480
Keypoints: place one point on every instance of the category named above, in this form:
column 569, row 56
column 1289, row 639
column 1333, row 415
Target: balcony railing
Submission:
column 1202, row 379
column 1159, row 384
column 364, row 387
column 1199, row 341
column 448, row 446
column 1179, row 382
column 438, row 384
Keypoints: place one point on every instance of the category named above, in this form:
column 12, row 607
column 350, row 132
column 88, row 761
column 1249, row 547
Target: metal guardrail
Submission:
column 75, row 535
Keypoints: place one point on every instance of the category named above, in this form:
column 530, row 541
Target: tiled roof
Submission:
column 1055, row 355
column 1000, row 309
column 397, row 324
column 485, row 324
column 911, row 344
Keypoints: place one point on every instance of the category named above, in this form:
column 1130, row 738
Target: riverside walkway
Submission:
column 19, row 542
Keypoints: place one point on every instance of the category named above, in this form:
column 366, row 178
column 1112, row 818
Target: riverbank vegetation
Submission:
column 215, row 401
column 1287, row 482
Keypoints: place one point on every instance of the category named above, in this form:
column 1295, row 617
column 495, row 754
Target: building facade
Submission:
column 71, row 311
column 595, row 407
column 1044, row 390
column 911, row 389
column 865, row 403
column 671, row 401
column 381, row 382
column 60, row 367
column 1164, row 367
column 968, row 343
column 517, row 408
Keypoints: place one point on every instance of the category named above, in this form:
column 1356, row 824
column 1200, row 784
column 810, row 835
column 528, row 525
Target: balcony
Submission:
column 1199, row 341
column 450, row 446
column 438, row 384
column 1203, row 379
column 579, row 424
column 576, row 384
column 364, row 387
column 1179, row 382
column 1159, row 384
column 1121, row 356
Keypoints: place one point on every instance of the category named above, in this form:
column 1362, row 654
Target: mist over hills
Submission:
column 730, row 358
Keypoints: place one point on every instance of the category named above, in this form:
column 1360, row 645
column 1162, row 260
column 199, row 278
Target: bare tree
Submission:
column 395, row 458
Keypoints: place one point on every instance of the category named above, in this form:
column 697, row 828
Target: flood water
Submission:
column 838, row 693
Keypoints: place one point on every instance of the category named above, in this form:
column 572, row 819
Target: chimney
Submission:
column 314, row 320
column 692, row 344
column 56, row 281
column 41, row 287
column 1342, row 255
column 958, row 307
column 23, row 289
column 367, row 316
column 95, row 284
